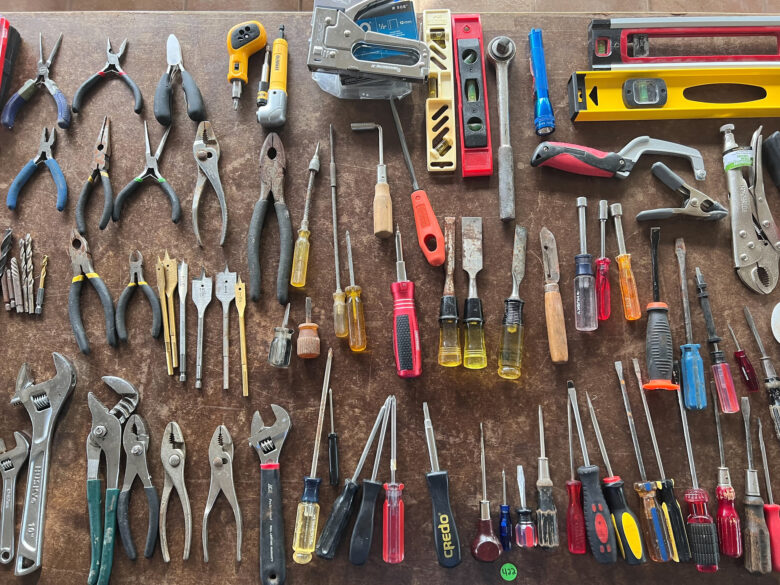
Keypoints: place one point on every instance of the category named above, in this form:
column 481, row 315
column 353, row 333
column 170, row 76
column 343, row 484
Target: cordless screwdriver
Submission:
column 243, row 41
column 273, row 113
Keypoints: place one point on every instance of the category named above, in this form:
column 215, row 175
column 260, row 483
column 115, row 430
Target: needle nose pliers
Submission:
column 44, row 156
column 206, row 151
column 112, row 67
column 101, row 156
column 137, row 280
column 272, row 169
column 21, row 97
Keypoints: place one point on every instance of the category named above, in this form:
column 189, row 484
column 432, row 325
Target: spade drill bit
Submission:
column 171, row 280
column 226, row 292
column 201, row 296
column 771, row 379
column 159, row 269
column 241, row 307
column 183, row 278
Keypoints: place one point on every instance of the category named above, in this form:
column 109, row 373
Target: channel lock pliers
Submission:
column 196, row 110
column 101, row 156
column 81, row 265
column 272, row 168
column 151, row 171
column 112, row 67
column 105, row 437
column 136, row 443
column 137, row 280
column 46, row 157
column 21, row 97
column 206, row 151
column 173, row 454
column 221, row 460
column 696, row 204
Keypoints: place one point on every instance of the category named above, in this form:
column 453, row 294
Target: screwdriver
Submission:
column 575, row 520
column 355, row 317
column 771, row 380
column 510, row 345
column 393, row 516
column 757, row 548
column 474, row 352
column 243, row 40
column 308, row 344
column 745, row 367
column 449, row 336
column 720, row 367
column 363, row 531
column 333, row 446
column 585, row 318
column 342, row 506
column 650, row 517
column 598, row 527
column 659, row 352
column 406, row 333
column 623, row 519
column 308, row 513
column 300, row 260
column 445, row 532
column 603, row 289
column 675, row 524
column 771, row 510
column 631, row 309
column 505, row 529
column 546, row 514
column 280, row 350
column 339, row 298
column 383, row 205
column 727, row 519
column 525, row 531
column 485, row 547
column 692, row 365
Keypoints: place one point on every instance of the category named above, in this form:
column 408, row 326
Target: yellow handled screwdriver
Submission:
column 449, row 335
column 301, row 253
column 631, row 308
column 274, row 113
column 355, row 316
column 243, row 40
column 510, row 346
column 339, row 298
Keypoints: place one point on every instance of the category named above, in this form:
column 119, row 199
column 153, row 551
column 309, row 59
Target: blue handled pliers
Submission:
column 44, row 156
column 21, row 97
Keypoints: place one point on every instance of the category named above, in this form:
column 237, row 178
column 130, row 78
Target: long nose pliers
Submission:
column 206, row 151
column 101, row 156
column 112, row 67
column 46, row 157
column 137, row 280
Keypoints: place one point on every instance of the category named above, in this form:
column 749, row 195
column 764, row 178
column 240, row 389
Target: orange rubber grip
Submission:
column 631, row 308
column 429, row 234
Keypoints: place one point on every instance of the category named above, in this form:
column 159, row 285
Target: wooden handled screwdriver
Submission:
column 383, row 205
column 771, row 510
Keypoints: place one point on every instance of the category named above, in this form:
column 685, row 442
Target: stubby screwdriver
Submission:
column 485, row 547
column 333, row 445
column 771, row 379
column 745, row 367
column 603, row 289
column 692, row 378
column 356, row 319
column 510, row 345
column 525, row 531
column 585, row 318
column 505, row 528
column 575, row 520
column 406, row 333
column 339, row 298
column 280, row 350
column 727, row 519
column 546, row 514
column 771, row 510
column 308, row 344
column 659, row 351
column 393, row 513
column 631, row 308
column 449, row 334
column 300, row 260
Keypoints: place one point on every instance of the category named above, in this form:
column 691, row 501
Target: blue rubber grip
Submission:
column 12, row 107
column 59, row 180
column 63, row 110
column 694, row 386
column 21, row 179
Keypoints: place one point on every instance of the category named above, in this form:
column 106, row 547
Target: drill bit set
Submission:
column 17, row 277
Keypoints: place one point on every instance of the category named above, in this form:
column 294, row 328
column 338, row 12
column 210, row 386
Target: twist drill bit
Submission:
column 29, row 278
column 5, row 248
column 17, row 285
column 41, row 286
column 21, row 304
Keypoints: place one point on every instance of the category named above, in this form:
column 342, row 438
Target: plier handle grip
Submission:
column 696, row 204
column 44, row 156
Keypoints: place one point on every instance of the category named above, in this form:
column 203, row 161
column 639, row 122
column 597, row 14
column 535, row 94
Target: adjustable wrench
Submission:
column 11, row 462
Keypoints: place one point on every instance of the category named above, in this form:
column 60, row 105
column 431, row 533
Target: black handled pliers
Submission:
column 272, row 169
column 101, row 156
column 696, row 205
column 46, row 157
column 137, row 280
column 151, row 171
column 81, row 265
column 206, row 151
column 112, row 67
column 163, row 96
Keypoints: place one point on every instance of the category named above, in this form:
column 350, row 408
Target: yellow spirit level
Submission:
column 440, row 105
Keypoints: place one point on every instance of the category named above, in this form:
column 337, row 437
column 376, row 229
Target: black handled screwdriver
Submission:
column 333, row 445
column 659, row 350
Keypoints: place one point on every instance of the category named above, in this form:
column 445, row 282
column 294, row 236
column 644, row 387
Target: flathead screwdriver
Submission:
column 631, row 308
column 692, row 378
column 771, row 379
column 603, row 289
column 393, row 514
column 659, row 351
column 505, row 528
column 300, row 261
column 485, row 547
column 727, row 519
column 525, row 531
column 585, row 318
column 339, row 298
column 575, row 520
column 771, row 510
column 546, row 514
column 510, row 345
column 333, row 445
column 745, row 367
column 355, row 315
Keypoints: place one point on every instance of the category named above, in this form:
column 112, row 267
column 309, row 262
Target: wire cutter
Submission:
column 105, row 437
column 151, row 171
column 101, row 156
column 696, row 204
column 81, row 265
column 272, row 169
column 173, row 455
column 206, row 151
column 163, row 96
column 112, row 67
column 136, row 443
column 221, row 459
column 44, row 156
column 21, row 97
column 137, row 280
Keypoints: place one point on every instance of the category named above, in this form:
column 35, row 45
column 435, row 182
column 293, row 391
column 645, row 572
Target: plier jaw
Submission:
column 696, row 205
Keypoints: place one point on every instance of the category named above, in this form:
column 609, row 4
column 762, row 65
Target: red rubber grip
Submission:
column 603, row 290
column 575, row 520
column 727, row 520
column 772, row 516
column 406, row 333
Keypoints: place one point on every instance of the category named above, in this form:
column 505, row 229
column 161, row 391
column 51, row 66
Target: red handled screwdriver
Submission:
column 603, row 291
column 771, row 510
column 575, row 520
column 749, row 376
column 525, row 531
column 393, row 516
column 406, row 333
column 485, row 547
column 727, row 519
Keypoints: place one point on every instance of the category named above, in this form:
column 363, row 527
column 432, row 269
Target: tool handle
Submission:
column 19, row 181
column 474, row 351
column 163, row 96
column 652, row 522
column 63, row 109
column 285, row 251
column 429, row 235
column 577, row 159
column 727, row 521
column 340, row 326
column 511, row 341
column 724, row 384
column 747, row 370
column 74, row 315
column 556, row 326
column 631, row 309
column 675, row 523
column 585, row 309
column 772, row 517
column 506, row 183
column 603, row 289
column 598, row 526
column 300, row 261
column 59, row 182
column 406, row 333
column 306, row 519
column 272, row 556
column 393, row 524
column 362, row 533
column 659, row 350
column 119, row 202
column 123, row 521
column 693, row 384
column 94, row 497
column 525, row 531
column 172, row 198
column 485, row 546
column 7, row 521
column 626, row 525
column 383, row 211
column 449, row 343
column 139, row 100
column 505, row 530
column 109, row 533
column 575, row 519
column 757, row 546
column 12, row 107
column 154, row 303
column 546, row 517
column 253, row 246
column 445, row 532
column 356, row 319
column 196, row 109
column 330, row 537
column 82, row 91
column 121, row 310
column 667, row 176
column 702, row 534
column 333, row 458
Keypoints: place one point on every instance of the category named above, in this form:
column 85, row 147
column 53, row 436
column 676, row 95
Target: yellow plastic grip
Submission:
column 356, row 319
column 449, row 344
column 631, row 308
column 300, row 260
column 278, row 78
column 474, row 352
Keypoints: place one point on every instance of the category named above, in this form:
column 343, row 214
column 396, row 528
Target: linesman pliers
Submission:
column 101, row 156
column 221, row 458
column 21, row 97
column 206, row 151
column 137, row 280
column 173, row 454
column 136, row 443
column 112, row 67
column 46, row 157
column 696, row 205
column 272, row 169
column 81, row 265
column 151, row 171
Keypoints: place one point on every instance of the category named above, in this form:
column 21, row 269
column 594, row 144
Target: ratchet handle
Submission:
column 580, row 160
column 272, row 558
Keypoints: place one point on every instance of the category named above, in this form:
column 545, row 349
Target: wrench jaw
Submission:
column 44, row 401
column 268, row 441
column 126, row 406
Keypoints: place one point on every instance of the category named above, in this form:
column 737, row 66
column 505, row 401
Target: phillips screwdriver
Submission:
column 631, row 309
column 308, row 513
column 485, row 547
column 510, row 345
column 553, row 306
column 659, row 351
column 598, row 527
column 757, row 548
column 383, row 205
column 546, row 514
column 745, row 367
column 771, row 380
column 727, row 519
column 243, row 40
column 449, row 335
column 623, row 519
column 356, row 319
column 406, row 333
column 300, row 260
column 650, row 516
column 603, row 289
column 675, row 523
column 474, row 352
column 339, row 298
column 308, row 344
column 585, row 318
column 771, row 510
column 525, row 531
column 720, row 367
column 445, row 532
column 333, row 446
column 693, row 384
column 280, row 350
column 505, row 528
column 575, row 520
column 393, row 514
